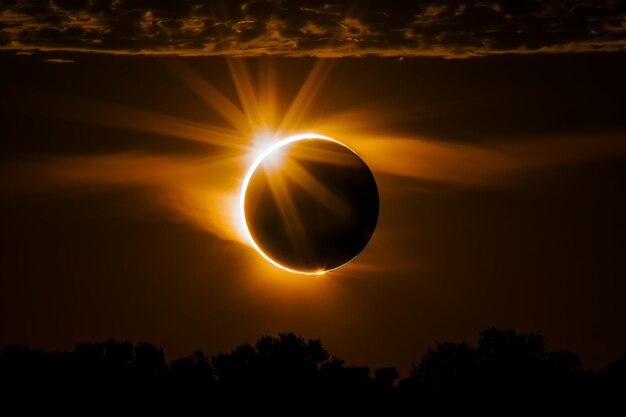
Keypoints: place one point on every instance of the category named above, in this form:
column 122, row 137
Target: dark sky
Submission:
column 501, row 176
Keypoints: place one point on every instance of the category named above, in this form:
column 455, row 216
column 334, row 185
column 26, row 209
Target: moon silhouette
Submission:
column 309, row 204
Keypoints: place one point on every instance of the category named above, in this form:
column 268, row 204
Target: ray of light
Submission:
column 105, row 114
column 209, row 94
column 240, row 75
column 289, row 215
column 268, row 92
column 196, row 190
column 432, row 160
column 370, row 117
column 173, row 127
column 324, row 156
column 307, row 94
column 301, row 176
column 493, row 165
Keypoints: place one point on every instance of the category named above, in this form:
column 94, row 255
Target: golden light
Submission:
column 207, row 190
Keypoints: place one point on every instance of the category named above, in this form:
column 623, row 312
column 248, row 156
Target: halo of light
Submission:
column 244, row 188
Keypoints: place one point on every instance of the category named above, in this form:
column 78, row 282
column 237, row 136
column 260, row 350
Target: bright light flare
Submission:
column 270, row 153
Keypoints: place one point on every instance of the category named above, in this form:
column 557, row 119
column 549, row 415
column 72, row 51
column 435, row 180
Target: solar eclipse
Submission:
column 309, row 204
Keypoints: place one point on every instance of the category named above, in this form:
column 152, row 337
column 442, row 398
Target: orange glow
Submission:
column 207, row 191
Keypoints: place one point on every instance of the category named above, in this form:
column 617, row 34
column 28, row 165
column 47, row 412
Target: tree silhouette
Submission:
column 449, row 366
column 286, row 362
column 502, row 367
column 503, row 364
column 149, row 360
column 616, row 371
column 196, row 368
column 103, row 360
column 385, row 377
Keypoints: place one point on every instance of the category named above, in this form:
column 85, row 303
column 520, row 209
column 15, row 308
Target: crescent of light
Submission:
column 244, row 188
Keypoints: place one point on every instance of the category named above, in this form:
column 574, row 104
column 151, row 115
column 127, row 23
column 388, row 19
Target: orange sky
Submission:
column 500, row 181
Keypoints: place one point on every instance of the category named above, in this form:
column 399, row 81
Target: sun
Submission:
column 244, row 189
column 323, row 199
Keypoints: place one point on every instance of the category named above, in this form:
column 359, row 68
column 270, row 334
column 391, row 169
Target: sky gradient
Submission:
column 501, row 176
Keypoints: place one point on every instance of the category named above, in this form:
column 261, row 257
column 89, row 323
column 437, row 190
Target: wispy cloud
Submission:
column 450, row 28
column 500, row 164
column 59, row 61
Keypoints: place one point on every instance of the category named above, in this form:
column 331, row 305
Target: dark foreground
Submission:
column 503, row 372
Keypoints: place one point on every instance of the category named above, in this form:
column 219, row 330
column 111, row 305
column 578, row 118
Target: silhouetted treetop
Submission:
column 502, row 364
column 286, row 360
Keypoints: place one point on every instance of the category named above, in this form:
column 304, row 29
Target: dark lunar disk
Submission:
column 312, row 205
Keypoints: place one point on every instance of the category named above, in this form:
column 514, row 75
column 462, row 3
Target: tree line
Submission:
column 503, row 366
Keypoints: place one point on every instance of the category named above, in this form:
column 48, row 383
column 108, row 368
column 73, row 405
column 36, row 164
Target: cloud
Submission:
column 175, row 185
column 59, row 61
column 450, row 28
column 505, row 162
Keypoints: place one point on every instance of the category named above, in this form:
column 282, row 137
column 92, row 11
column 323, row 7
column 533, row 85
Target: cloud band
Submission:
column 449, row 28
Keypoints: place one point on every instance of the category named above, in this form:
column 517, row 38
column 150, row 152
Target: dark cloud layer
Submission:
column 450, row 28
